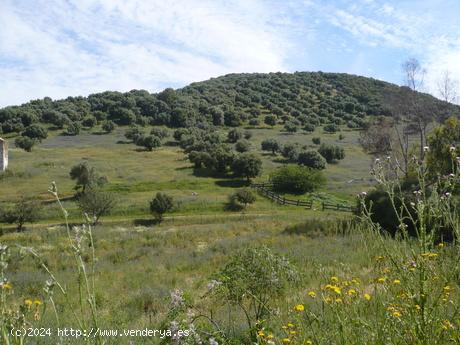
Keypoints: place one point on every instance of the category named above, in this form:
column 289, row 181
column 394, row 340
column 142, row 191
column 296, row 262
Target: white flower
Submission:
column 452, row 148
column 177, row 298
column 213, row 284
column 213, row 341
column 426, row 148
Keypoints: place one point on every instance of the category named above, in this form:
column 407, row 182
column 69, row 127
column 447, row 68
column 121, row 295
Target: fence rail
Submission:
column 266, row 189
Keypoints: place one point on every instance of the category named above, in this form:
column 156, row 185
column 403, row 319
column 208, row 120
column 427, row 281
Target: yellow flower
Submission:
column 355, row 281
column 28, row 302
column 290, row 325
column 447, row 288
column 312, row 294
column 334, row 288
column 286, row 340
column 351, row 292
column 293, row 332
column 7, row 286
column 367, row 297
column 379, row 258
column 429, row 255
column 417, row 307
column 270, row 336
column 381, row 280
column 260, row 333
column 441, row 245
column 308, row 342
column 397, row 314
column 446, row 324
column 328, row 300
column 338, row 300
column 299, row 307
column 334, row 279
column 396, row 282
column 38, row 302
column 386, row 270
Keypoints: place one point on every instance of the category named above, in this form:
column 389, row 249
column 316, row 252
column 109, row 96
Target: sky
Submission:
column 61, row 48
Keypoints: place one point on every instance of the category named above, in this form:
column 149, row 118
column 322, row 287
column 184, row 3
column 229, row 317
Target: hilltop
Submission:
column 313, row 98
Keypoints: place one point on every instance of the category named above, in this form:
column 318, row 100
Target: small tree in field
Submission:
column 24, row 211
column 271, row 145
column 331, row 153
column 241, row 199
column 270, row 120
column 25, row 143
column 161, row 204
column 96, row 203
column 242, row 145
column 247, row 165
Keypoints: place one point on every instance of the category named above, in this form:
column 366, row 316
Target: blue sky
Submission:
column 77, row 47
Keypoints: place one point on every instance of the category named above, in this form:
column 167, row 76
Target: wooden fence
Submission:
column 266, row 189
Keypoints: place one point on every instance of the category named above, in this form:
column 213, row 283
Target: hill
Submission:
column 313, row 98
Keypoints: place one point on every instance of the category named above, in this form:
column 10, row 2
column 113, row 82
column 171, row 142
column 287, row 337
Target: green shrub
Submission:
column 241, row 199
column 242, row 145
column 296, row 179
column 331, row 153
column 312, row 159
column 331, row 128
column 316, row 140
column 25, row 143
column 161, row 204
column 271, row 145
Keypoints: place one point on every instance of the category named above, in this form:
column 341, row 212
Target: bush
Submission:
column 331, row 128
column 73, row 129
column 270, row 120
column 242, row 146
column 296, row 179
column 133, row 134
column 316, row 140
column 291, row 152
column 271, row 145
column 108, row 126
column 161, row 133
column 25, row 143
column 234, row 135
column 331, row 153
column 161, row 204
column 89, row 121
column 150, row 142
column 309, row 127
column 311, row 159
column 291, row 126
column 247, row 135
column 241, row 199
column 254, row 122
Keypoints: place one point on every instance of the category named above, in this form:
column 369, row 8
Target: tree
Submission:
column 444, row 148
column 291, row 126
column 25, row 143
column 108, row 126
column 316, row 140
column 241, row 199
column 25, row 210
column 234, row 135
column 247, row 165
column 331, row 128
column 308, row 127
column 133, row 133
column 242, row 145
column 296, row 179
column 161, row 133
column 36, row 132
column 331, row 153
column 271, row 145
column 86, row 177
column 377, row 137
column 447, row 87
column 291, row 151
column 96, row 203
column 161, row 204
column 149, row 142
column 270, row 120
column 89, row 121
column 312, row 159
column 199, row 158
column 247, row 135
column 73, row 128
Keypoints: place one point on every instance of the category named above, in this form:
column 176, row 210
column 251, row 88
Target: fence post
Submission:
column 284, row 200
column 298, row 202
column 322, row 203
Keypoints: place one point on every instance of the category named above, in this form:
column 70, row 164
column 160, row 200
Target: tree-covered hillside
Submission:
column 308, row 99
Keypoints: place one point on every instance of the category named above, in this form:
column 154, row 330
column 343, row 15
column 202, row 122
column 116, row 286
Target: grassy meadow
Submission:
column 353, row 286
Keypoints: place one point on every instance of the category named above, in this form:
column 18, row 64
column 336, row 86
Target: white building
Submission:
column 3, row 154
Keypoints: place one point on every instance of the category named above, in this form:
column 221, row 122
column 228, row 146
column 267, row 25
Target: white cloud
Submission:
column 58, row 48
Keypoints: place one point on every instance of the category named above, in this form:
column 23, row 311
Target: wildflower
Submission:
column 328, row 300
column 312, row 294
column 397, row 314
column 6, row 286
column 452, row 149
column 270, row 336
column 351, row 292
column 308, row 342
column 338, row 300
column 426, row 149
column 417, row 307
column 213, row 341
column 362, row 195
column 386, row 270
column 429, row 255
column 28, row 302
column 334, row 279
column 261, row 333
column 299, row 307
column 213, row 284
column 381, row 280
column 290, row 325
column 355, row 281
column 38, row 302
column 177, row 298
column 379, row 258
column 441, row 245
column 367, row 297
column 293, row 332
column 286, row 340
column 396, row 282
column 446, row 324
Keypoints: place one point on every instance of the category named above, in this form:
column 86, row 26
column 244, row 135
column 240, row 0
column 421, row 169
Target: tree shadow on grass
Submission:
column 145, row 222
column 233, row 183
column 124, row 142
